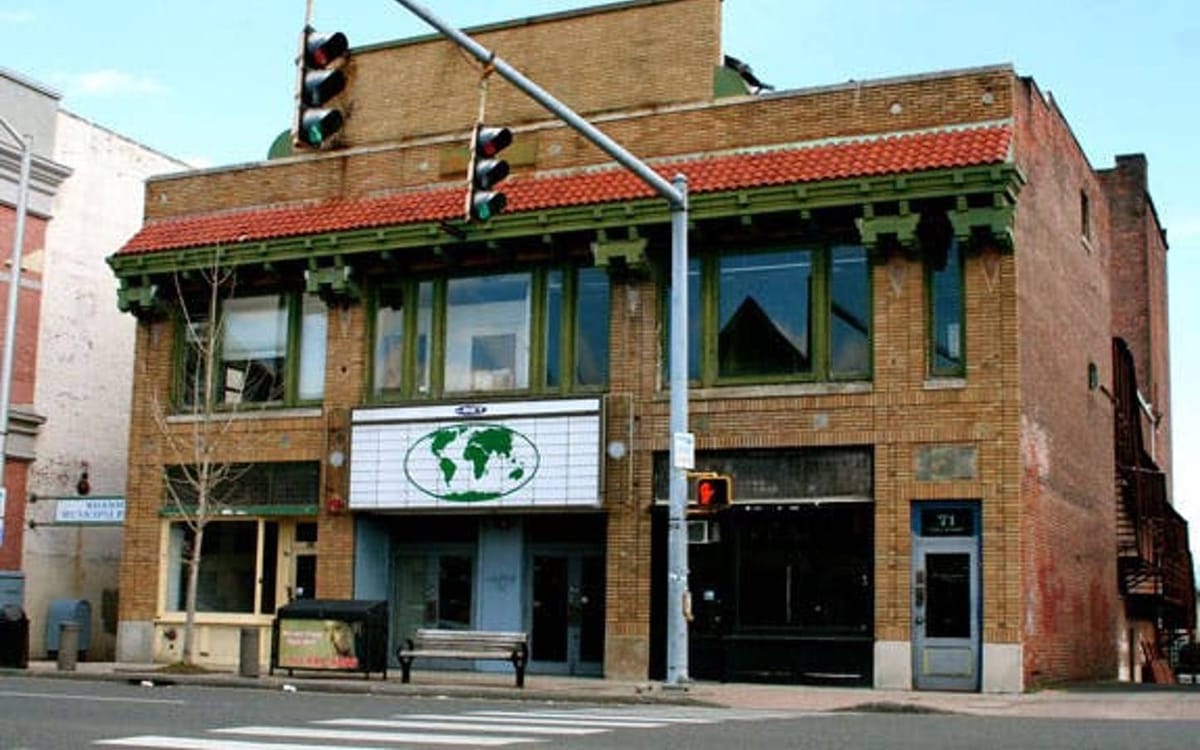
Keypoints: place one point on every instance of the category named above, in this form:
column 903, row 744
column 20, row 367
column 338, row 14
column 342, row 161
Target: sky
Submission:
column 211, row 83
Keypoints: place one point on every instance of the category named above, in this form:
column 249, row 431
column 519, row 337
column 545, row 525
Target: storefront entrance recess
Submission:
column 946, row 596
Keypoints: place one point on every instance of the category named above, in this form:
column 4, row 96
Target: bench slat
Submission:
column 466, row 644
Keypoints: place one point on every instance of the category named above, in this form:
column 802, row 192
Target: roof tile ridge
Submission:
column 812, row 143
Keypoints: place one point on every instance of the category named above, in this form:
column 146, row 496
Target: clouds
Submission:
column 15, row 16
column 108, row 82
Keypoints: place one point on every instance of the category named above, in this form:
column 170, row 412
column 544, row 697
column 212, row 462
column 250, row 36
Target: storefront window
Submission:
column 228, row 566
column 487, row 333
column 261, row 341
column 433, row 590
column 389, row 341
column 591, row 328
column 555, row 294
column 764, row 322
column 946, row 313
column 849, row 312
column 312, row 348
column 806, row 569
column 542, row 331
column 254, row 349
column 772, row 315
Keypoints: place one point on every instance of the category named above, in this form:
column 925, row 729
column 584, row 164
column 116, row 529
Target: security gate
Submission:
column 946, row 596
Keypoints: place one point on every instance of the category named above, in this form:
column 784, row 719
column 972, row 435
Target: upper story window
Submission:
column 1085, row 215
column 786, row 314
column 946, row 311
column 266, row 349
column 538, row 331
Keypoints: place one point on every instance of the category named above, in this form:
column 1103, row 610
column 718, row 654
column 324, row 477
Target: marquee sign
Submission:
column 532, row 454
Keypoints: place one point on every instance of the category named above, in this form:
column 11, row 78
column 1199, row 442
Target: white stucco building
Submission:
column 82, row 385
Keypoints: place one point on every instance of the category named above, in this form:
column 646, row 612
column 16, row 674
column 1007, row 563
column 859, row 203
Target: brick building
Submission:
column 925, row 336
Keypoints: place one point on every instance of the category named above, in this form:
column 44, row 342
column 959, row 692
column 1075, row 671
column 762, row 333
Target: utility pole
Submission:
column 675, row 192
column 14, row 291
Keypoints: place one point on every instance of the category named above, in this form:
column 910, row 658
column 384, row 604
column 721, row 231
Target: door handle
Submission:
column 919, row 620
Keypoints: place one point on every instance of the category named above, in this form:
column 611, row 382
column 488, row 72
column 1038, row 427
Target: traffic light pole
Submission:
column 675, row 192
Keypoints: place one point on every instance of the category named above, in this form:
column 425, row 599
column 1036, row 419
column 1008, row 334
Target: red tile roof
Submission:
column 895, row 154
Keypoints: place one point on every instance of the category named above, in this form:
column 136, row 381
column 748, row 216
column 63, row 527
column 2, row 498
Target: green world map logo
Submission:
column 471, row 462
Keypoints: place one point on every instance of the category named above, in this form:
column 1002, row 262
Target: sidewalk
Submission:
column 1100, row 701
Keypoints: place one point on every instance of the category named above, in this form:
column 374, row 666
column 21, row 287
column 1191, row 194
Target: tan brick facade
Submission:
column 1036, row 316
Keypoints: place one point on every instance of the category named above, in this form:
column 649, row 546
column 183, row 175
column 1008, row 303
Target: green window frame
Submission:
column 539, row 331
column 946, row 294
column 796, row 313
column 270, row 350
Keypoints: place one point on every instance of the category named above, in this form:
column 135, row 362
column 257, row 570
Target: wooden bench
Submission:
column 465, row 644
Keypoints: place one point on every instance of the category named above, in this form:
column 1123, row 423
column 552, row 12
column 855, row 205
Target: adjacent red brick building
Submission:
column 911, row 304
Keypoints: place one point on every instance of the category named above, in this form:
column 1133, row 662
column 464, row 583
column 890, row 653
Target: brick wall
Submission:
column 597, row 60
column 1068, row 492
column 849, row 110
column 1139, row 280
column 24, row 368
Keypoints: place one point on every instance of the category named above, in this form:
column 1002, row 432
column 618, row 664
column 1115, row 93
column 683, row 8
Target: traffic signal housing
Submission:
column 486, row 171
column 321, row 79
column 714, row 492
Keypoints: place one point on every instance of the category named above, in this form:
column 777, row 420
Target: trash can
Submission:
column 14, row 637
column 349, row 635
column 78, row 611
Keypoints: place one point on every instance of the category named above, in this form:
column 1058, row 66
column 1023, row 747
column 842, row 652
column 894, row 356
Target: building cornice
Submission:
column 45, row 178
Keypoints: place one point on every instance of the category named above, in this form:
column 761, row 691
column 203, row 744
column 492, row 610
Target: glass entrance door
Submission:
column 946, row 597
column 567, row 612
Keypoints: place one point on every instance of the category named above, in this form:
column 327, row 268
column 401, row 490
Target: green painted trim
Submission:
column 627, row 254
column 991, row 179
column 247, row 512
column 727, row 82
column 335, row 285
column 143, row 301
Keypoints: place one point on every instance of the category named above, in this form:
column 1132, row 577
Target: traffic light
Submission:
column 714, row 492
column 321, row 79
column 486, row 171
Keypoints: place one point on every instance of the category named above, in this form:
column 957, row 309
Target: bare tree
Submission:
column 196, row 430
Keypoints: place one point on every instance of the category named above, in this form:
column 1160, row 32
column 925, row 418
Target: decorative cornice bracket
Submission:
column 335, row 285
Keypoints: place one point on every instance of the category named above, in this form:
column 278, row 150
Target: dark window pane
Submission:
column 270, row 556
column 389, row 341
column 764, row 314
column 806, row 569
column 591, row 328
column 487, row 333
column 948, row 597
column 313, row 332
column 694, row 322
column 554, row 305
column 306, row 577
column 946, row 304
column 549, row 637
column 227, row 566
column 454, row 592
column 424, row 335
column 849, row 311
column 195, row 335
column 254, row 348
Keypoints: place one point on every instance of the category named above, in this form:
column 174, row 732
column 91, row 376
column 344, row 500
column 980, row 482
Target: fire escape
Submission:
column 1154, row 564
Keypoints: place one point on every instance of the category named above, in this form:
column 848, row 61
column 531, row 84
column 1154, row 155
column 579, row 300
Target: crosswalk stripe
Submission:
column 461, row 726
column 199, row 743
column 477, row 740
column 516, row 718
